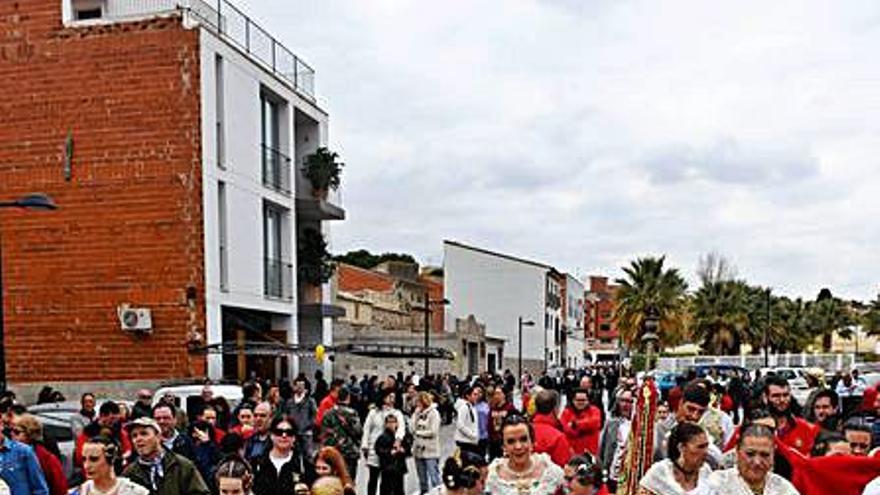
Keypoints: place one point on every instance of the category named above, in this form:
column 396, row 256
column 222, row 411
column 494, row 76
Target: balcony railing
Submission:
column 278, row 279
column 276, row 170
column 225, row 20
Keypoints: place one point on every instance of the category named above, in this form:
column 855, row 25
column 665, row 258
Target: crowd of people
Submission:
column 713, row 435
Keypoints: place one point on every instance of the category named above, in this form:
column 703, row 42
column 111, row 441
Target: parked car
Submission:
column 723, row 371
column 188, row 394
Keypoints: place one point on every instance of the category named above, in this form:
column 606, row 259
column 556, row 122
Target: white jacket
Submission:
column 426, row 433
column 374, row 425
column 466, row 429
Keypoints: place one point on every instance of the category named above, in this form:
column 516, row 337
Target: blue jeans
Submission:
column 429, row 473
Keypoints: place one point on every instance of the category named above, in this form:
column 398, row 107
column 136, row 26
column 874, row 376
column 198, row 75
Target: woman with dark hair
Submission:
column 684, row 471
column 464, row 473
column 101, row 461
column 278, row 471
column 754, row 465
column 522, row 470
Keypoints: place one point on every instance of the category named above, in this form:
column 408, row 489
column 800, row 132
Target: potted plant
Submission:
column 323, row 171
column 315, row 265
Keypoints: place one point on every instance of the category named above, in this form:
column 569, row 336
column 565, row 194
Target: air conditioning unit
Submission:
column 138, row 320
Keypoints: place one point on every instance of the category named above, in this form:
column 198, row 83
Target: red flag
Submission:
column 836, row 474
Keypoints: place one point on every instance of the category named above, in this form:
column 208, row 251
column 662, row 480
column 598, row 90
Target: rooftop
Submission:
column 220, row 17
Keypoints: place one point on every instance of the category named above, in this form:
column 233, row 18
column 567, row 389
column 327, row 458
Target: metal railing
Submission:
column 227, row 21
column 276, row 170
column 755, row 361
column 278, row 279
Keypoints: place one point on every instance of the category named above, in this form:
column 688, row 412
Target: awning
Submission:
column 374, row 350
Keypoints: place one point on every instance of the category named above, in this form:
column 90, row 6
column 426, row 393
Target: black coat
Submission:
column 268, row 481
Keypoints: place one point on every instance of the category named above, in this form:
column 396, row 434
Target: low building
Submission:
column 386, row 306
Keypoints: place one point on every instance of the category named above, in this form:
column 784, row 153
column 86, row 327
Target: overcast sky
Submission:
column 586, row 133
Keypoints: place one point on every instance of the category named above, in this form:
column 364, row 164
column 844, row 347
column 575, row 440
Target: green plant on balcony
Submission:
column 323, row 170
column 315, row 264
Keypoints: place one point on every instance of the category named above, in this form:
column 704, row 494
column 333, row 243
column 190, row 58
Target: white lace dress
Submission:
column 545, row 478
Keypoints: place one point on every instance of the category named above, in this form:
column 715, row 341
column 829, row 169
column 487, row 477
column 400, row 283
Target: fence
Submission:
column 224, row 19
column 829, row 362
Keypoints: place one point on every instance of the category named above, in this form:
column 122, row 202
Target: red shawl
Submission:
column 837, row 474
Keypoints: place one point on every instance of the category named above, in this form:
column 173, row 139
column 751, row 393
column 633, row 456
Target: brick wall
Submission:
column 129, row 228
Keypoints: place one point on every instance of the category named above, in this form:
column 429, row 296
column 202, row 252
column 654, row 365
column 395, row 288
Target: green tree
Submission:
column 829, row 315
column 366, row 259
column 871, row 317
column 649, row 284
column 720, row 315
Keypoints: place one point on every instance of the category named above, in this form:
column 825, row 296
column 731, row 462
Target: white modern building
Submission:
column 259, row 119
column 574, row 321
column 499, row 290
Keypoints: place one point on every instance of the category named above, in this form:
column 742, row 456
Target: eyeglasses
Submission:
column 283, row 432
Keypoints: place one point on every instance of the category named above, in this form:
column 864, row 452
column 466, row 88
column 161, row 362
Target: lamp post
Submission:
column 650, row 337
column 766, row 331
column 37, row 201
column 526, row 323
column 427, row 308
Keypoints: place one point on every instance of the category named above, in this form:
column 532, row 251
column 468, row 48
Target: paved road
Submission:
column 411, row 481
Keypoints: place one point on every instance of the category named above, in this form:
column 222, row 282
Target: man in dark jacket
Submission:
column 176, row 441
column 341, row 428
column 160, row 471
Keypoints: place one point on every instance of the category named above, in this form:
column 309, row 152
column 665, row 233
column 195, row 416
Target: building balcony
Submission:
column 276, row 170
column 320, row 209
column 218, row 16
column 278, row 279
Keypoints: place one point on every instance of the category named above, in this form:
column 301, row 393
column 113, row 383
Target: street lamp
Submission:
column 650, row 337
column 526, row 323
column 37, row 201
column 427, row 309
column 766, row 331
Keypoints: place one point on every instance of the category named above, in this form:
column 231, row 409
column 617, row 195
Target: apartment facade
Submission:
column 574, row 322
column 603, row 339
column 172, row 146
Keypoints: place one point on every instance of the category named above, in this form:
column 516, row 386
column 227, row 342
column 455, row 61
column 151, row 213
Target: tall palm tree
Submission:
column 871, row 317
column 648, row 284
column 829, row 315
column 789, row 328
column 720, row 313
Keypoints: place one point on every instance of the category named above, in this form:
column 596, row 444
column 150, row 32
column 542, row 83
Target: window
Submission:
column 220, row 111
column 84, row 10
column 221, row 227
column 278, row 272
column 276, row 165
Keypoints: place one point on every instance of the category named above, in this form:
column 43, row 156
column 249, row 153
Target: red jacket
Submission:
column 550, row 440
column 582, row 429
column 800, row 436
column 52, row 470
column 327, row 403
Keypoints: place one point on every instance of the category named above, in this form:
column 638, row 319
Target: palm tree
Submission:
column 828, row 315
column 720, row 315
column 648, row 284
column 871, row 317
column 789, row 328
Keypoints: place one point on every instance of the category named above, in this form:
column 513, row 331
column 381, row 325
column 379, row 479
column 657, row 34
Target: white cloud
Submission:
column 587, row 133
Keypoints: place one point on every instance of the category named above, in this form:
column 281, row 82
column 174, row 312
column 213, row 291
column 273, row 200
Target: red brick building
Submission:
column 111, row 117
column 599, row 321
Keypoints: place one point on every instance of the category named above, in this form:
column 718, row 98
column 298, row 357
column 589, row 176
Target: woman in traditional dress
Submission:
column 522, row 472
column 685, row 471
column 754, row 464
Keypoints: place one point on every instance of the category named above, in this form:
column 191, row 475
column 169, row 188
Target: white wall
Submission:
column 496, row 291
column 245, row 193
column 574, row 318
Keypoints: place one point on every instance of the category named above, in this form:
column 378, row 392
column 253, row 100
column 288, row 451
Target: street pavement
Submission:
column 411, row 480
